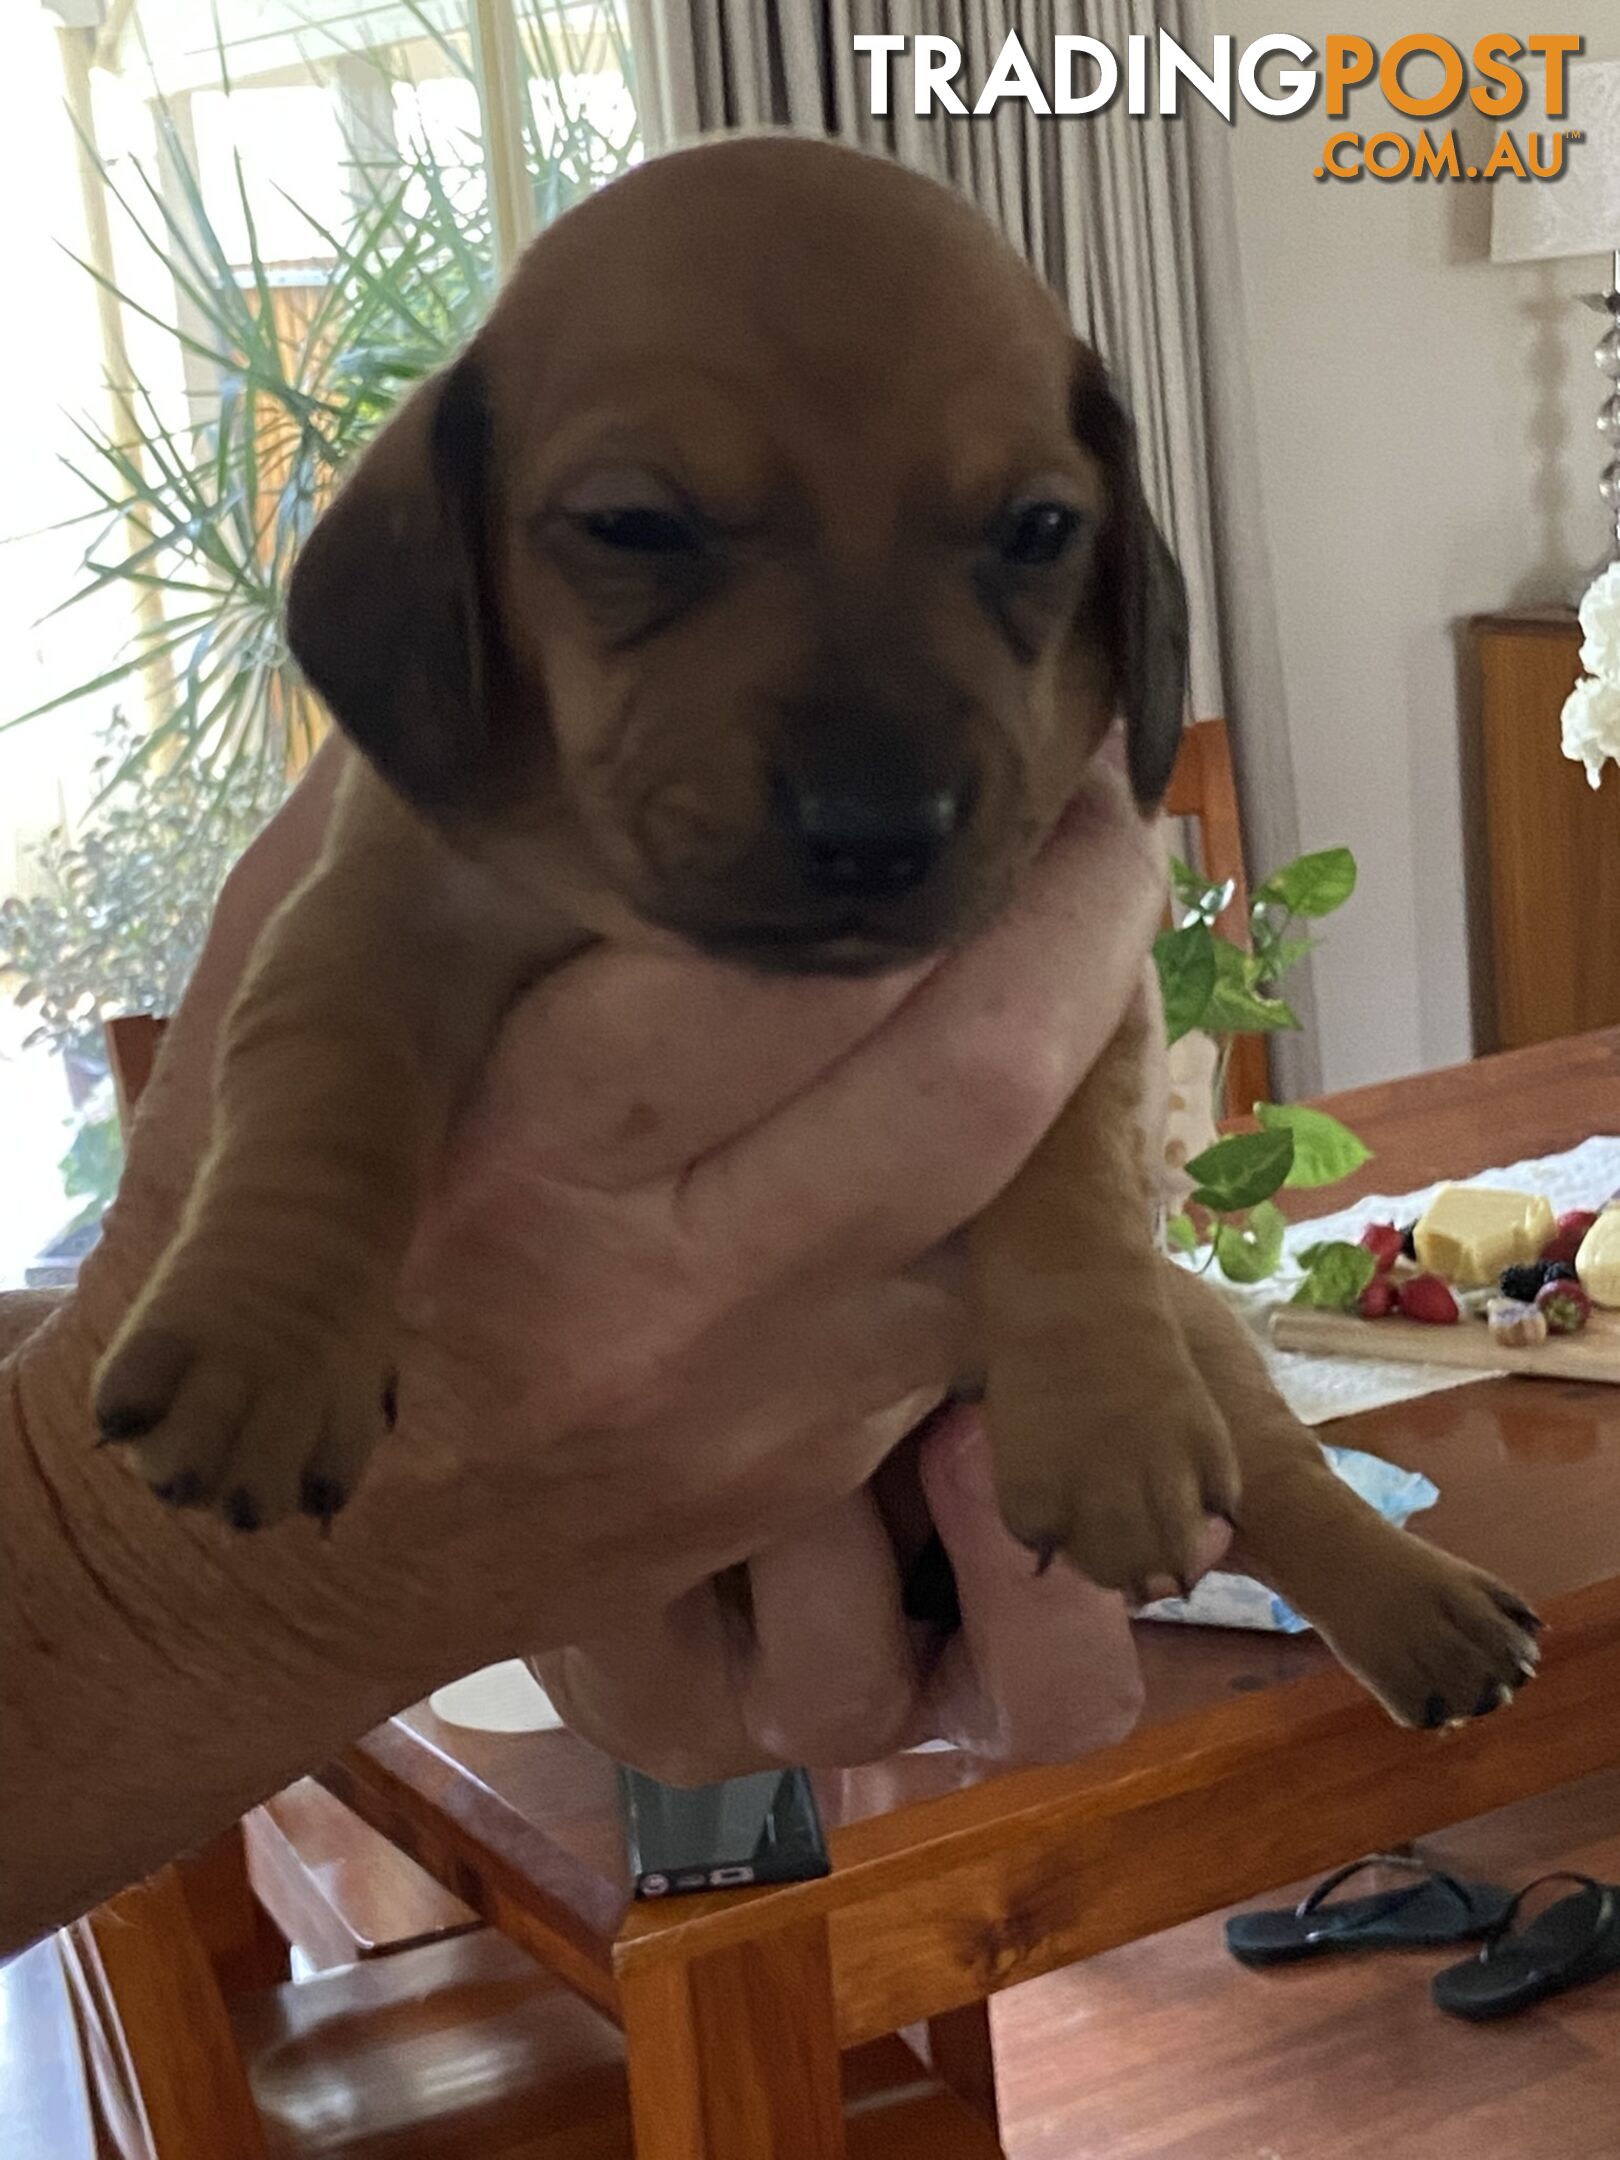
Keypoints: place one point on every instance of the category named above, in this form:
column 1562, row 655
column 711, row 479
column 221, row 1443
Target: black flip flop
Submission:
column 1428, row 1914
column 1574, row 1941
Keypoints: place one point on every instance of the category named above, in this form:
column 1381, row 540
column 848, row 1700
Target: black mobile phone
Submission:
column 759, row 1829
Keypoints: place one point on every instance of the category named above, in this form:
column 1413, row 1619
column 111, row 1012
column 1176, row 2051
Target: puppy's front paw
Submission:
column 1123, row 1482
column 1436, row 1640
column 253, row 1424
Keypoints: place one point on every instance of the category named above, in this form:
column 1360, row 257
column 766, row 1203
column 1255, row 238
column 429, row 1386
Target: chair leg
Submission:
column 963, row 2057
column 238, row 1934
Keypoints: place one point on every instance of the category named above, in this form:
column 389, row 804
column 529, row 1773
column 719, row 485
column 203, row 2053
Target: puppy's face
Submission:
column 766, row 573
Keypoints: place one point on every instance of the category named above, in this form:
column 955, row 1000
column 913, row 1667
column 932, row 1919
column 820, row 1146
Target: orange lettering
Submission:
column 1438, row 48
column 1493, row 57
column 1436, row 158
column 1382, row 170
column 1331, row 160
column 1350, row 60
column 1557, row 51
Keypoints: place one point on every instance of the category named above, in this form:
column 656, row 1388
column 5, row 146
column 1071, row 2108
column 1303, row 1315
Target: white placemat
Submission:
column 1318, row 1388
column 501, row 1698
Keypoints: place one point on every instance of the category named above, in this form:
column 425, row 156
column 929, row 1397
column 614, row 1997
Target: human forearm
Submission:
column 157, row 1677
column 21, row 1311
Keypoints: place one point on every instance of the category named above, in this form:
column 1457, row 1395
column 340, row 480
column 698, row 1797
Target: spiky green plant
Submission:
column 219, row 510
column 209, row 514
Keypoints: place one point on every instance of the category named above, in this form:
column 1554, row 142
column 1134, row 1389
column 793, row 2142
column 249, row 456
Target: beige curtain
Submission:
column 1131, row 223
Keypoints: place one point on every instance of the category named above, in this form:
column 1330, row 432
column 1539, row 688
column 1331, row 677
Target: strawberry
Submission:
column 1380, row 1297
column 1566, row 1306
column 1427, row 1298
column 1565, row 1242
column 1384, row 1242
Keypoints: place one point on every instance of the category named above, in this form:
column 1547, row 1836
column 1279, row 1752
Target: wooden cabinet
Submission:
column 1553, row 842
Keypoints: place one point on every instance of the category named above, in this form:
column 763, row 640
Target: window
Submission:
column 239, row 230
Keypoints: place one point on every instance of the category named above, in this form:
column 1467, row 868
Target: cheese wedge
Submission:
column 1471, row 1233
column 1598, row 1261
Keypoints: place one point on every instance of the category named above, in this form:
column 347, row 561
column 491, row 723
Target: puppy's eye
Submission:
column 639, row 529
column 1038, row 533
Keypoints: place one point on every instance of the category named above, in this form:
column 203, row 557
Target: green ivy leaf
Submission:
column 1249, row 1254
column 1241, row 1171
column 1311, row 884
column 1335, row 1276
column 1286, row 953
column 1182, row 1233
column 1324, row 1150
column 1186, row 963
column 1237, row 1005
column 1188, row 885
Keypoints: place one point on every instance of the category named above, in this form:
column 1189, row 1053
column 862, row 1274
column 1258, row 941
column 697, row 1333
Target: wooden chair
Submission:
column 1203, row 790
column 460, row 2048
column 336, row 1889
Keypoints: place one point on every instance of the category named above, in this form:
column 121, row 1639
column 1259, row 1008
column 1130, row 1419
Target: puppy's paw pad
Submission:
column 1442, row 1643
column 1132, row 1511
column 251, row 1433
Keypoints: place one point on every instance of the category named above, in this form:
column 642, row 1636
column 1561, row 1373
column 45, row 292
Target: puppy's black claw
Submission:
column 242, row 1510
column 119, row 1426
column 183, row 1490
column 321, row 1497
column 1531, row 1621
column 1435, row 1713
column 1494, row 1697
column 1045, row 1549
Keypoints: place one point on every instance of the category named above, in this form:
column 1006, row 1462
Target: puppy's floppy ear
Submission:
column 1138, row 602
column 389, row 613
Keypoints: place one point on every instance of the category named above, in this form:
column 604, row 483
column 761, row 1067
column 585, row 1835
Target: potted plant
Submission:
column 1216, row 988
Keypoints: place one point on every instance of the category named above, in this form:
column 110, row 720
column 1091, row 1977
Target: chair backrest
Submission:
column 162, row 2065
column 1203, row 790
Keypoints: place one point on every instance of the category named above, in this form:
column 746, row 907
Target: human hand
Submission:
column 822, row 1667
column 663, row 1306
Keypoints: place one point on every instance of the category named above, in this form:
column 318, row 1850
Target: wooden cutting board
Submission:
column 1594, row 1354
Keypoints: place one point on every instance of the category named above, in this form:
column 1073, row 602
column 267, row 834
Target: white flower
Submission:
column 1600, row 620
column 1591, row 723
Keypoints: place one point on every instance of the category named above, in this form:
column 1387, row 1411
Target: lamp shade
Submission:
column 1579, row 212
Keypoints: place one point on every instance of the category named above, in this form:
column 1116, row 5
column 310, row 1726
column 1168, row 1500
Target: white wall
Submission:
column 1427, row 452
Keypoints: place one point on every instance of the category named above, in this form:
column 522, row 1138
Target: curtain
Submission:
column 1129, row 220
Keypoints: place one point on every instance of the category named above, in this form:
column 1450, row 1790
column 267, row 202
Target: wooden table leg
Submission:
column 963, row 2057
column 735, row 2055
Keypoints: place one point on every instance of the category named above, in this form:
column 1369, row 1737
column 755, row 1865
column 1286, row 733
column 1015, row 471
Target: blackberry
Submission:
column 1524, row 1283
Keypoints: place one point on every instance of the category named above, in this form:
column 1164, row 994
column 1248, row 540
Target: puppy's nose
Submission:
column 862, row 845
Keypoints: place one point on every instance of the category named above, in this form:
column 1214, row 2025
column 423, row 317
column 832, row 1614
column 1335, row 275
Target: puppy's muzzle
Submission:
column 852, row 843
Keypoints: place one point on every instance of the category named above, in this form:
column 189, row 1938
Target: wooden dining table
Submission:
column 1256, row 1761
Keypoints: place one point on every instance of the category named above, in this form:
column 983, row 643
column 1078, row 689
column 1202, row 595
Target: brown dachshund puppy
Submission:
column 764, row 576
